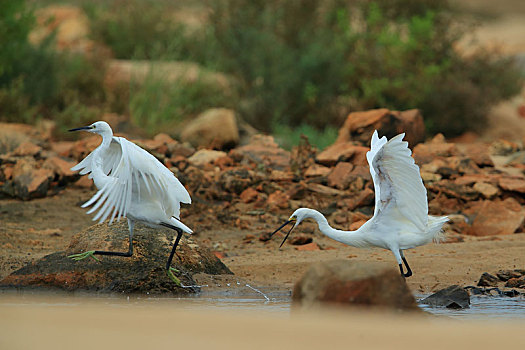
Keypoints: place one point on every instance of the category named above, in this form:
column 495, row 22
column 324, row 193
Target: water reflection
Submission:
column 485, row 307
column 246, row 298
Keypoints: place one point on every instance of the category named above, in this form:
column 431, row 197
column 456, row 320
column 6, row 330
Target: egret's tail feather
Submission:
column 435, row 228
column 180, row 225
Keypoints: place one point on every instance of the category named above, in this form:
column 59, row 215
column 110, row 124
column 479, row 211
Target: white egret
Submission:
column 400, row 219
column 131, row 183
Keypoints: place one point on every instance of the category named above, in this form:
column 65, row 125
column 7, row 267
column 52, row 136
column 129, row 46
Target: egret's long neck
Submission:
column 353, row 238
column 99, row 177
column 107, row 135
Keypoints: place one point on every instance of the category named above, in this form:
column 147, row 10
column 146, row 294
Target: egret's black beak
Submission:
column 286, row 237
column 280, row 227
column 82, row 128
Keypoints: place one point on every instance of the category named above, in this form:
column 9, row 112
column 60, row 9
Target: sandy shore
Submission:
column 435, row 266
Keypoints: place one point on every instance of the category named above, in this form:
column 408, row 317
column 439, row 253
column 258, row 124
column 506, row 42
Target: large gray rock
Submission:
column 214, row 128
column 143, row 273
column 342, row 282
column 453, row 297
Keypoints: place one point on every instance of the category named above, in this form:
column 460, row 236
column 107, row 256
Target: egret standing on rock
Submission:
column 131, row 183
column 401, row 219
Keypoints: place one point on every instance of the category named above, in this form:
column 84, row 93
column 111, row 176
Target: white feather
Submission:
column 131, row 183
column 400, row 219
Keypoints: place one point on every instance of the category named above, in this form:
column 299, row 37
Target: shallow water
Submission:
column 484, row 307
column 251, row 299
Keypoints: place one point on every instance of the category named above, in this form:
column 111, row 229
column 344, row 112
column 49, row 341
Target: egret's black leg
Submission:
column 170, row 258
column 409, row 271
column 179, row 235
column 91, row 253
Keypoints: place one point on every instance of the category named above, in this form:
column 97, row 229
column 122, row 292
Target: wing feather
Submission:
column 397, row 176
column 375, row 145
column 127, row 171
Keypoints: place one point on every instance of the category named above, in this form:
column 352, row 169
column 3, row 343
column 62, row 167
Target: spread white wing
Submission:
column 375, row 145
column 126, row 172
column 397, row 181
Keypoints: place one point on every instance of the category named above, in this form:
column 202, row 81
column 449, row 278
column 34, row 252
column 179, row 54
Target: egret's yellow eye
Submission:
column 293, row 218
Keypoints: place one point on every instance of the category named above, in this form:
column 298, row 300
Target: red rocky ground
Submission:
column 240, row 195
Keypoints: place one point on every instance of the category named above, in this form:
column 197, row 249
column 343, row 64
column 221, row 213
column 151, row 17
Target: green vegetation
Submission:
column 288, row 136
column 157, row 102
column 293, row 66
column 38, row 82
column 313, row 61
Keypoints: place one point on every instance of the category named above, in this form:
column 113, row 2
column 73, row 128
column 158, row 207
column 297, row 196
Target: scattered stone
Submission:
column 205, row 156
column 13, row 135
column 84, row 182
column 324, row 190
column 279, row 175
column 249, row 195
column 506, row 275
column 511, row 293
column 428, row 177
column 453, row 297
column 366, row 197
column 302, row 156
column 503, row 148
column 344, row 151
column 60, row 166
column 317, row 170
column 237, row 180
column 180, row 150
column 515, row 184
column 488, row 191
column 359, row 126
column 278, row 199
column 475, row 290
column 248, row 238
column 309, row 247
column 515, row 283
column 297, row 191
column 214, row 128
column 263, row 151
column 352, row 283
column 356, row 224
column 488, row 220
column 479, row 153
column 143, row 273
column 340, row 176
column 27, row 149
column 427, row 152
column 300, row 240
column 29, row 181
column 488, row 280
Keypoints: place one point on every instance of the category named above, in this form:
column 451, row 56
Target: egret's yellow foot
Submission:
column 173, row 277
column 81, row 256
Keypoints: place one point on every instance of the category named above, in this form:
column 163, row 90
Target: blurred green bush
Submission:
column 295, row 66
column 38, row 82
column 313, row 61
